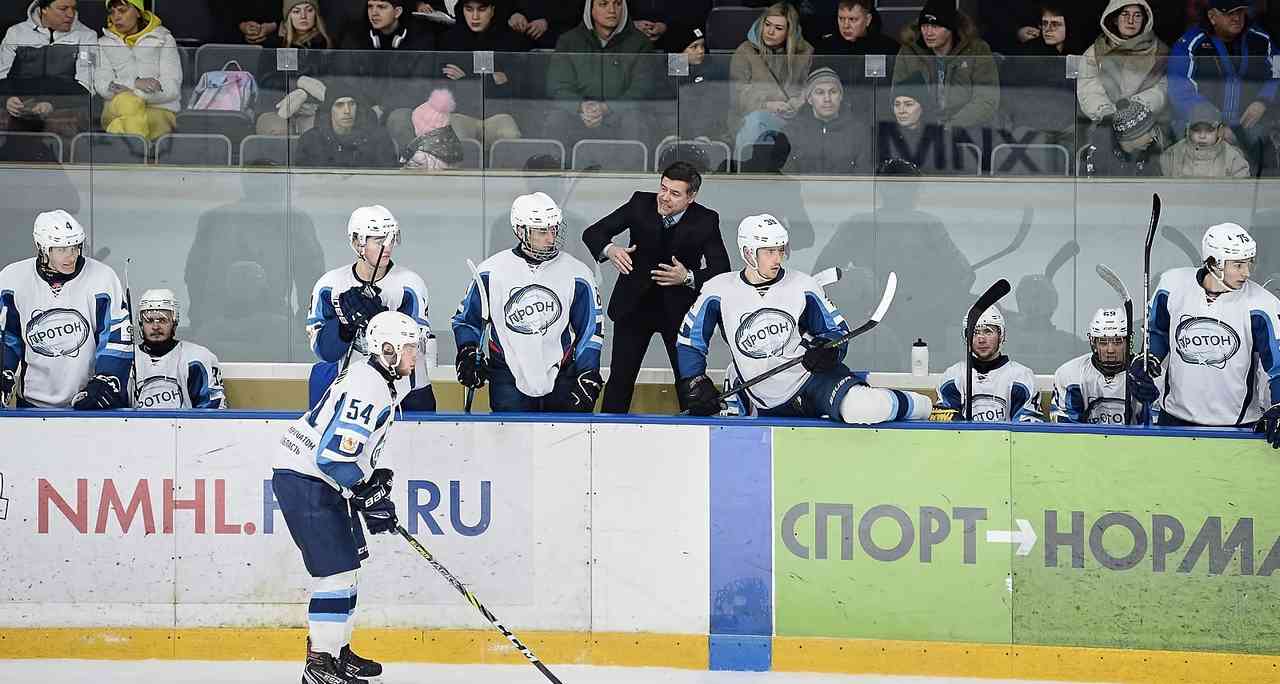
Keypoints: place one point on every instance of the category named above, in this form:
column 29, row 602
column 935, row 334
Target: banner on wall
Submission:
column 1034, row 538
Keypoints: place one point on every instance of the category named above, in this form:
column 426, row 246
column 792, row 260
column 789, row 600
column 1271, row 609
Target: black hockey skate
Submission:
column 355, row 666
column 323, row 668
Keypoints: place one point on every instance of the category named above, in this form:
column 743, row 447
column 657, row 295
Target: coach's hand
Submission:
column 620, row 257
column 675, row 274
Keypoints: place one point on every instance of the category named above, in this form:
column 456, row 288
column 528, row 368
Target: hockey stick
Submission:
column 1027, row 215
column 133, row 330
column 993, row 294
column 1146, row 292
column 1112, row 279
column 890, row 288
column 524, row 650
column 366, row 289
column 4, row 324
column 828, row 277
column 484, row 326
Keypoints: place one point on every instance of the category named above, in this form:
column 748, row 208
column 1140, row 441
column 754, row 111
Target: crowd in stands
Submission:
column 1129, row 87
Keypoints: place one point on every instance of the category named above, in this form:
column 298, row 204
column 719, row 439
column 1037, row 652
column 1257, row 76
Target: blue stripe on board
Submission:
column 741, row 548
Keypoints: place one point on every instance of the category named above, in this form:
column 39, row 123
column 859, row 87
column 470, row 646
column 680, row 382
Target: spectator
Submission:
column 304, row 29
column 1227, row 63
column 247, row 21
column 1126, row 63
column 957, row 65
column 1041, row 99
column 857, row 32
column 44, row 84
column 394, row 57
column 1205, row 152
column 701, row 96
column 481, row 28
column 544, row 21
column 1132, row 148
column 768, row 72
column 139, row 73
column 346, row 134
column 436, row 146
column 824, row 136
column 914, row 136
column 599, row 90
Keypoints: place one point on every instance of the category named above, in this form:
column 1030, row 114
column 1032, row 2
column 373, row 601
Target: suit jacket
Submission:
column 695, row 241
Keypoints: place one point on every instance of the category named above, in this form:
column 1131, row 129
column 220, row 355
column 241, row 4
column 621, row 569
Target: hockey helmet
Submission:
column 991, row 317
column 1108, row 323
column 159, row 300
column 56, row 228
column 395, row 329
column 1227, row 242
column 537, row 211
column 757, row 232
column 372, row 221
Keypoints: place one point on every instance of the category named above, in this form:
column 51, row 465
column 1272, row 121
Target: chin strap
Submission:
column 1216, row 273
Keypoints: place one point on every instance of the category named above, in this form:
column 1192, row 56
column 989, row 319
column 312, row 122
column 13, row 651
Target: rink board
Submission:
column 1028, row 551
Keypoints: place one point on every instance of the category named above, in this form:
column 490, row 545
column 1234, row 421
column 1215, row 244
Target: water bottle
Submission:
column 919, row 358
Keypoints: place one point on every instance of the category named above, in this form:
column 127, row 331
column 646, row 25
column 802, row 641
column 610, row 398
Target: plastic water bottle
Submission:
column 919, row 358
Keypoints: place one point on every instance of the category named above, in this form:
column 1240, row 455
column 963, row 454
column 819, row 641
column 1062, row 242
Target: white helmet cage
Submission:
column 757, row 232
column 395, row 329
column 991, row 317
column 56, row 228
column 373, row 221
column 537, row 211
column 159, row 300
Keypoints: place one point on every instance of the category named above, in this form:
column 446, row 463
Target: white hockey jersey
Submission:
column 65, row 336
column 188, row 376
column 1083, row 394
column 764, row 327
column 400, row 290
column 1218, row 348
column 342, row 438
column 542, row 317
column 1004, row 394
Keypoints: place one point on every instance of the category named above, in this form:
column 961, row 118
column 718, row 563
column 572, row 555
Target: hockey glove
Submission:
column 6, row 383
column 583, row 392
column 354, row 307
column 1269, row 424
column 102, row 393
column 699, row 395
column 473, row 370
column 819, row 357
column 369, row 493
column 1140, row 380
column 381, row 517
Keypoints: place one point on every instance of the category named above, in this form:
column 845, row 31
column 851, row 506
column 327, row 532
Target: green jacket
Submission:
column 972, row 84
column 624, row 68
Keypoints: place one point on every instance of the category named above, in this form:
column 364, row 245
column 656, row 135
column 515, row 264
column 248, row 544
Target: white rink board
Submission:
column 533, row 559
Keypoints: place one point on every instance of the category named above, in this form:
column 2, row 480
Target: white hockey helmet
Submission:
column 757, row 232
column 159, row 300
column 991, row 317
column 1108, row 323
column 372, row 221
column 1227, row 242
column 537, row 211
column 56, row 228
column 393, row 328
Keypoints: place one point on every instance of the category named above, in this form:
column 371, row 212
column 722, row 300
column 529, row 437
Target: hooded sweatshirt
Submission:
column 969, row 92
column 1220, row 159
column 1114, row 68
column 761, row 74
column 367, row 146
column 625, row 75
column 149, row 53
column 21, row 56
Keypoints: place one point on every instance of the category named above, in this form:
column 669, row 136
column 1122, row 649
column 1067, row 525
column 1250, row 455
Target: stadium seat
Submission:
column 190, row 21
column 610, row 155
column 514, row 154
column 1030, row 159
column 974, row 151
column 234, row 125
column 727, row 26
column 193, row 149
column 16, row 146
column 91, row 14
column 714, row 153
column 108, row 148
column 472, row 154
column 279, row 150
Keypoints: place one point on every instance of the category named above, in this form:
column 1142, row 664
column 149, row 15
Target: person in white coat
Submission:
column 139, row 73
column 46, row 75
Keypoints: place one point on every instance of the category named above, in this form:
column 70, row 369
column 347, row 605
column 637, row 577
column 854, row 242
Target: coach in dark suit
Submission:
column 675, row 248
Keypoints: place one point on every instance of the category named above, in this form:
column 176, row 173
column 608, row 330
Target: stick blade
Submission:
column 890, row 289
column 484, row 298
column 1155, row 219
column 1113, row 279
column 995, row 293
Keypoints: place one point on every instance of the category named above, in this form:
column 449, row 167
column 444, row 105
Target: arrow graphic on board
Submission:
column 1024, row 537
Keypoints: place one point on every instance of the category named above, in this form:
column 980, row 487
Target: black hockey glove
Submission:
column 354, row 307
column 102, row 393
column 381, row 517
column 375, row 489
column 1269, row 424
column 820, row 358
column 699, row 395
column 473, row 370
column 1141, row 384
column 6, row 383
column 584, row 389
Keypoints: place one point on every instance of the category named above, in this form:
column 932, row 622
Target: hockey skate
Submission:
column 323, row 668
column 356, row 666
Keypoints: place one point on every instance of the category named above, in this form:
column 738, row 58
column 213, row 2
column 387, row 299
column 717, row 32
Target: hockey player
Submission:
column 331, row 464
column 1003, row 390
column 172, row 374
column 769, row 316
column 544, row 320
column 66, row 321
column 1211, row 330
column 1091, row 388
column 346, row 298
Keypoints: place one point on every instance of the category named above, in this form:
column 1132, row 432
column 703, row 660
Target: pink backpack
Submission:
column 226, row 90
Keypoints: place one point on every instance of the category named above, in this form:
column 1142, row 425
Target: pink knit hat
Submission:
column 434, row 113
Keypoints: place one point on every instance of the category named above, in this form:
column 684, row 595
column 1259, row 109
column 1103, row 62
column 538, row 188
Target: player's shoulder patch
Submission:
column 349, row 445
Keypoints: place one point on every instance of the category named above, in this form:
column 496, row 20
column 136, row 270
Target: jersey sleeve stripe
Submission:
column 410, row 307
